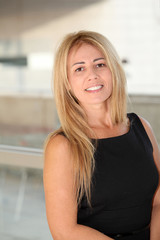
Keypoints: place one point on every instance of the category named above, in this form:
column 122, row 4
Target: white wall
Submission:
column 133, row 26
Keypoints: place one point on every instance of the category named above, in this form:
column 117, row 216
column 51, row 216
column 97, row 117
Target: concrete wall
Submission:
column 40, row 111
column 28, row 111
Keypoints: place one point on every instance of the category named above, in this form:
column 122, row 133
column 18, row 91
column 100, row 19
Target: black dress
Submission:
column 124, row 182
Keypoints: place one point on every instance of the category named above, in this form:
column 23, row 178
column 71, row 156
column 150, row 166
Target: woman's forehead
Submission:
column 84, row 50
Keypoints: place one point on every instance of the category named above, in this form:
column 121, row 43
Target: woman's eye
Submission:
column 100, row 65
column 79, row 69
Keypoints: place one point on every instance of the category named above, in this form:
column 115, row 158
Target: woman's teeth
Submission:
column 94, row 88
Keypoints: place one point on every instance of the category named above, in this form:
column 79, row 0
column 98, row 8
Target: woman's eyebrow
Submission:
column 97, row 59
column 78, row 63
column 84, row 62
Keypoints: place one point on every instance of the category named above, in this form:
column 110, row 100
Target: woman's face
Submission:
column 89, row 76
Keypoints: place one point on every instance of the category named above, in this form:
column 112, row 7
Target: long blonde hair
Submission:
column 72, row 117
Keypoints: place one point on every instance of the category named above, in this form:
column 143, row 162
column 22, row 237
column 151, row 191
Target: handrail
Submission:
column 21, row 156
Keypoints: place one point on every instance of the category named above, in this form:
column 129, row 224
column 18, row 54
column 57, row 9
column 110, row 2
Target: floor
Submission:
column 22, row 205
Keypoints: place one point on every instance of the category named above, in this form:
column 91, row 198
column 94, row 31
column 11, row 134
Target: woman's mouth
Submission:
column 95, row 88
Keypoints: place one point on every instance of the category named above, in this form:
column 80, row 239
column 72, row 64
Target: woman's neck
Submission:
column 100, row 121
column 98, row 116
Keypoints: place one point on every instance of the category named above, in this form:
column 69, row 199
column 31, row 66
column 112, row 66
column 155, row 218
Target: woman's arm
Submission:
column 155, row 220
column 61, row 203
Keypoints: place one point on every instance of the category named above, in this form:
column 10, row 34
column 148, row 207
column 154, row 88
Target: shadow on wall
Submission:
column 17, row 16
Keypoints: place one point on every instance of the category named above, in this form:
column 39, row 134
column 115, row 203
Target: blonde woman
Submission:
column 101, row 167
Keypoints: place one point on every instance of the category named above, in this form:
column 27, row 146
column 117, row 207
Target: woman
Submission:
column 101, row 166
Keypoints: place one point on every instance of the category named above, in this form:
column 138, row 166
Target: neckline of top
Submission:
column 118, row 136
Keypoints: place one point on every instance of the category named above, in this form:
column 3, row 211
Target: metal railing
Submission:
column 21, row 156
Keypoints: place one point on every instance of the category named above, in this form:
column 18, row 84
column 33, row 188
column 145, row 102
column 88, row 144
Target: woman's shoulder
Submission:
column 57, row 148
column 148, row 130
column 56, row 142
column 58, row 160
column 134, row 117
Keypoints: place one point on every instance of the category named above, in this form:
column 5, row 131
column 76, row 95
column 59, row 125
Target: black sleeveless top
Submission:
column 124, row 182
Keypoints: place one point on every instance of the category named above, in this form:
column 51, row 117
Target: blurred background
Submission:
column 29, row 34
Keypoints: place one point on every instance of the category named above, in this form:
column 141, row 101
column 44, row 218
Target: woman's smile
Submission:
column 94, row 88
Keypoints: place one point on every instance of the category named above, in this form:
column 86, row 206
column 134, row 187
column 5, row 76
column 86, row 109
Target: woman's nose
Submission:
column 92, row 74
